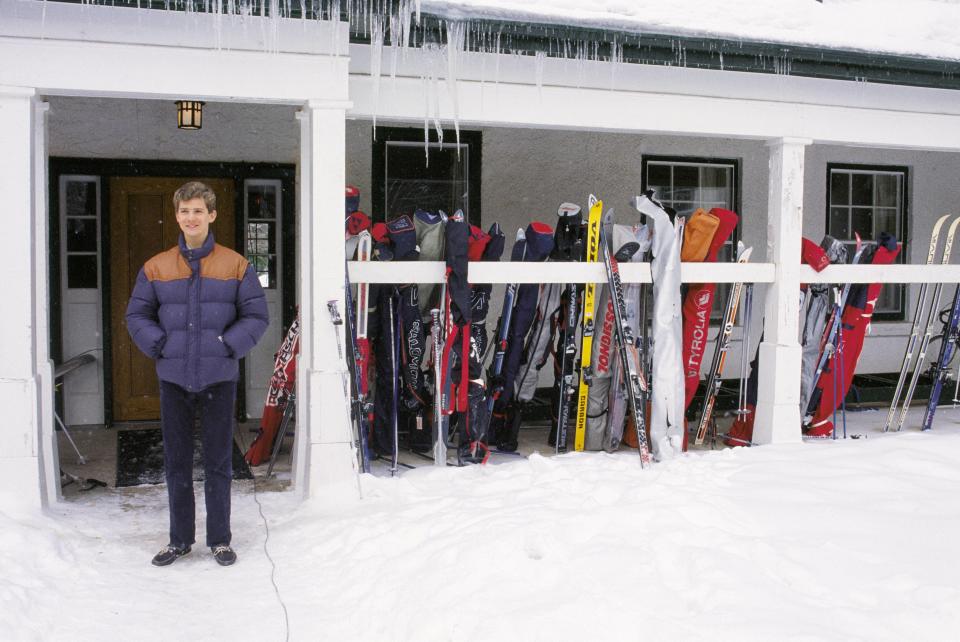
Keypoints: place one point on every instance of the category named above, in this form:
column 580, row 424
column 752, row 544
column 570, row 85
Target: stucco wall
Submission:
column 147, row 129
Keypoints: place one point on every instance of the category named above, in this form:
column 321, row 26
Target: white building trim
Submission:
column 25, row 368
column 562, row 94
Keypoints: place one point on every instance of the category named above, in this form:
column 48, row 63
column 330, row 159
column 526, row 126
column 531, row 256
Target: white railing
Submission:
column 508, row 272
column 882, row 274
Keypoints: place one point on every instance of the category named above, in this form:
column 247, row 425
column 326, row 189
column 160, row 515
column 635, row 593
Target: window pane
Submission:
column 82, row 271
column 405, row 196
column 839, row 188
column 863, row 222
column 81, row 198
column 887, row 190
column 435, row 183
column 885, row 220
column 262, row 201
column 715, row 187
column 862, row 189
column 658, row 178
column 683, row 208
column 889, row 299
column 839, row 223
column 81, row 235
column 686, row 181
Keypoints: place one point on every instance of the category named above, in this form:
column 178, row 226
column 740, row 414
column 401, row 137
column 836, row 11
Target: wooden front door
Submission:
column 142, row 223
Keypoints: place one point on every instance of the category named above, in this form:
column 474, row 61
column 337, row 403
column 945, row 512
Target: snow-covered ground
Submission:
column 832, row 540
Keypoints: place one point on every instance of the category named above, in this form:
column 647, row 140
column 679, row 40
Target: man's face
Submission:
column 194, row 220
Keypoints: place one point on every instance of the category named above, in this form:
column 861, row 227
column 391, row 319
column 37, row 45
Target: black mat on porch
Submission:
column 140, row 458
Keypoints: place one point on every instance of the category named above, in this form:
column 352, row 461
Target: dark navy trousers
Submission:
column 178, row 409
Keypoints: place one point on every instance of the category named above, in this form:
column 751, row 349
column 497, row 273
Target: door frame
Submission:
column 111, row 167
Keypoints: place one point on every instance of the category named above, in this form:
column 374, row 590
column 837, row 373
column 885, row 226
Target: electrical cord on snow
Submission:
column 273, row 565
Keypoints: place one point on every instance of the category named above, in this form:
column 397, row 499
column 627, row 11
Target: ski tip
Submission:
column 953, row 227
column 626, row 251
column 743, row 255
column 591, row 201
column 939, row 224
column 521, row 234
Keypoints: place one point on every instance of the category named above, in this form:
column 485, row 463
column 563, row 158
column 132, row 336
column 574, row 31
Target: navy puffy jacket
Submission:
column 197, row 313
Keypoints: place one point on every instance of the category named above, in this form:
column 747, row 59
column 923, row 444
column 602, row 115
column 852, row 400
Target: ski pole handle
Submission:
column 334, row 312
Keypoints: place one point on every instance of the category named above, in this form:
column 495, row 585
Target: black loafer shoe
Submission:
column 224, row 555
column 169, row 555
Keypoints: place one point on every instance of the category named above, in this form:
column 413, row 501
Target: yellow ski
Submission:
column 586, row 342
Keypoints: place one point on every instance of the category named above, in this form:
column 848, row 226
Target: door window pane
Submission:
column 262, row 208
column 81, row 235
column 80, row 231
column 82, row 271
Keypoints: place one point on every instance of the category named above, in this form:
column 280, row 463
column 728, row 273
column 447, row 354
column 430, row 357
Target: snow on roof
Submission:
column 928, row 28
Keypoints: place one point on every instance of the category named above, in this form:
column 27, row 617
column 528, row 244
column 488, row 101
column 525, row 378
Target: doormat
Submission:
column 140, row 458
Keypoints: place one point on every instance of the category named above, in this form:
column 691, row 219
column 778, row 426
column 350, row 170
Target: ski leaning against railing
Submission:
column 503, row 329
column 721, row 349
column 568, row 246
column 439, row 419
column 828, row 343
column 951, row 334
column 907, row 367
column 624, row 336
column 354, row 411
column 586, row 333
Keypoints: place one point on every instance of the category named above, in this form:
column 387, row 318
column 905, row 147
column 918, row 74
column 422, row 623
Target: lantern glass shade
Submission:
column 190, row 114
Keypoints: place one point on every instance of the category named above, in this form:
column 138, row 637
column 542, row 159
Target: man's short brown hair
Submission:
column 195, row 189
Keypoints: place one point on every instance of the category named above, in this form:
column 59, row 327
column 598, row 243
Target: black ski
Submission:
column 636, row 386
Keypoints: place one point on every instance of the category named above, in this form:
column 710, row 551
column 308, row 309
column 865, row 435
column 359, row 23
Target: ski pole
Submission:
column 956, row 387
column 744, row 349
column 394, row 374
column 843, row 396
column 337, row 321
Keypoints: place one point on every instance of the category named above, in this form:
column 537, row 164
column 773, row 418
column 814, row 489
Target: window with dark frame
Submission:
column 687, row 184
column 81, row 231
column 262, row 204
column 870, row 200
column 409, row 173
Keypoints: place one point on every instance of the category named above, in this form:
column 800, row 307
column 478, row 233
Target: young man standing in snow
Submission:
column 197, row 309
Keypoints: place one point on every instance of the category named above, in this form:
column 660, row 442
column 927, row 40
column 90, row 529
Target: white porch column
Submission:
column 49, row 451
column 778, row 401
column 21, row 477
column 324, row 461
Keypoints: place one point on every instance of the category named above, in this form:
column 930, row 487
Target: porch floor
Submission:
column 98, row 445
